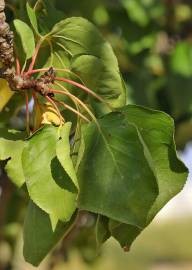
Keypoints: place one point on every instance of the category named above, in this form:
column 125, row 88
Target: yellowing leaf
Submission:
column 50, row 116
column 5, row 93
column 45, row 114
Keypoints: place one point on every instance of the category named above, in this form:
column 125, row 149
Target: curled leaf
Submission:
column 45, row 114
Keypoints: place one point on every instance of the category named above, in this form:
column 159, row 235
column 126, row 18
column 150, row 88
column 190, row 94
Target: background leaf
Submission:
column 181, row 59
column 32, row 17
column 26, row 37
column 39, row 238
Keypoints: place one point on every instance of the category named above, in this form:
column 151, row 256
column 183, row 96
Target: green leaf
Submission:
column 11, row 148
column 137, row 12
column 32, row 18
column 156, row 131
column 102, row 230
column 115, row 177
column 79, row 147
column 48, row 184
column 49, row 18
column 130, row 169
column 76, row 44
column 39, row 238
column 125, row 234
column 181, row 59
column 63, row 153
column 26, row 37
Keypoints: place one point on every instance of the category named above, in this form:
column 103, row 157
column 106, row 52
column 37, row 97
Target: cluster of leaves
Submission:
column 152, row 40
column 122, row 166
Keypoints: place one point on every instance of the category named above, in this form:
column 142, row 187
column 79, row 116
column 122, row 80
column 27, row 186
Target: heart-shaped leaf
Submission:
column 130, row 169
column 76, row 44
column 49, row 185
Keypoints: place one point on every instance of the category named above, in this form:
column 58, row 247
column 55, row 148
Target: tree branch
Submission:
column 6, row 45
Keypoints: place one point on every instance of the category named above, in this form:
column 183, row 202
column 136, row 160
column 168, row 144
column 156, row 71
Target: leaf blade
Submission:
column 26, row 37
column 87, row 55
column 11, row 148
column 154, row 134
column 39, row 238
column 47, row 183
column 63, row 153
column 103, row 173
column 32, row 18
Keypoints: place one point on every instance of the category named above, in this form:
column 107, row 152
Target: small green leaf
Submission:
column 39, row 238
column 181, row 59
column 26, row 37
column 32, row 18
column 48, row 184
column 46, row 20
column 125, row 234
column 11, row 148
column 102, row 230
column 137, row 12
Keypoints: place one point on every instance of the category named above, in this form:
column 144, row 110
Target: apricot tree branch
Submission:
column 6, row 45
